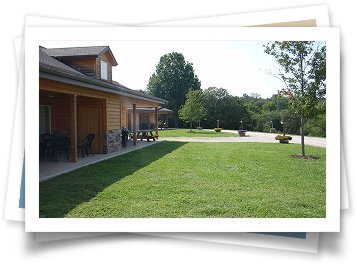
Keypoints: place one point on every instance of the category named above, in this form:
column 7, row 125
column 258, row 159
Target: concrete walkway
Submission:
column 50, row 169
column 251, row 137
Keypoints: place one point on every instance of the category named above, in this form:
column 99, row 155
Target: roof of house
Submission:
column 148, row 109
column 49, row 65
column 80, row 52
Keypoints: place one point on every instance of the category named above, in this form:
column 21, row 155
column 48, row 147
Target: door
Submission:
column 89, row 122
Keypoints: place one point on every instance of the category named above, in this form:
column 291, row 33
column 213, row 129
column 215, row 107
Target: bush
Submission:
column 282, row 137
column 218, row 129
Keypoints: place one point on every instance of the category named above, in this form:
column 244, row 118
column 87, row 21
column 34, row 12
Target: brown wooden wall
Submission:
column 114, row 120
column 86, row 66
column 150, row 114
column 124, row 117
column 60, row 111
column 91, row 66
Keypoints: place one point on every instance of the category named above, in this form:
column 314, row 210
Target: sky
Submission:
column 237, row 66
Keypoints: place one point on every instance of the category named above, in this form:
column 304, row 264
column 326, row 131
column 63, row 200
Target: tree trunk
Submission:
column 302, row 114
column 191, row 126
column 176, row 121
column 302, row 135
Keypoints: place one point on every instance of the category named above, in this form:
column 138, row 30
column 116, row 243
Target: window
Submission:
column 104, row 70
column 144, row 122
column 45, row 120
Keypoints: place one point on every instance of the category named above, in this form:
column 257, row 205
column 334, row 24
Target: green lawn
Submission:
column 194, row 133
column 193, row 180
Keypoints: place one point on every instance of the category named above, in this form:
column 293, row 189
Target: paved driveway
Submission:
column 251, row 137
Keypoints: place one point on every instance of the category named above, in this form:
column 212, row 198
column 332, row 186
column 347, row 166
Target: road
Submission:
column 251, row 137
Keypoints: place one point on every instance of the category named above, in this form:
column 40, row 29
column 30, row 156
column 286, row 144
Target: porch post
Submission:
column 156, row 121
column 73, row 109
column 134, row 125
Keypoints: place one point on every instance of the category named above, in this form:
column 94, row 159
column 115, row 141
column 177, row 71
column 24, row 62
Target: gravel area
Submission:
column 251, row 137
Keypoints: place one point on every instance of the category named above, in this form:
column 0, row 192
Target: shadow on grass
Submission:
column 60, row 195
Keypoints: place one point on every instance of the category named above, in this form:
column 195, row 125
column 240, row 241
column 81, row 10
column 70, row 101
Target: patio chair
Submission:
column 47, row 140
column 86, row 143
column 143, row 126
column 61, row 145
column 152, row 126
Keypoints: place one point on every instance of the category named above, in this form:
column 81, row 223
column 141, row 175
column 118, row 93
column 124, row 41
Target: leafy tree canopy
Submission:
column 172, row 80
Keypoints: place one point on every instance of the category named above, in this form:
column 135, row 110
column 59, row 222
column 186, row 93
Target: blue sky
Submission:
column 236, row 66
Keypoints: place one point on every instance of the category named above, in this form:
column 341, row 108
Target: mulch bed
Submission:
column 304, row 157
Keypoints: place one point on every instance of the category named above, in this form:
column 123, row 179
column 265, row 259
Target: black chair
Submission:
column 61, row 145
column 143, row 126
column 47, row 143
column 86, row 143
column 152, row 126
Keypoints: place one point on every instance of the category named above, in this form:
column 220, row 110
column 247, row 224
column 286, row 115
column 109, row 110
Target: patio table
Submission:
column 145, row 134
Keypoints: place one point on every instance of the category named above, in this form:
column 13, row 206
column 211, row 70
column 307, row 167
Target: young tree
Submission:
column 172, row 80
column 301, row 65
column 193, row 109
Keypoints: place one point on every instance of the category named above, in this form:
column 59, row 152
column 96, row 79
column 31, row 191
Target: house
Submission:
column 146, row 116
column 78, row 96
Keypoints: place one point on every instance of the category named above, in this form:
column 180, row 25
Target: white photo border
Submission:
column 33, row 35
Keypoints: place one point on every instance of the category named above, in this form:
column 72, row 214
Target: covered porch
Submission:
column 147, row 118
column 74, row 116
column 74, row 111
column 133, row 118
column 48, row 169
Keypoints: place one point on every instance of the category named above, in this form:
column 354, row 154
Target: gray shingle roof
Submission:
column 87, row 52
column 75, row 51
column 148, row 109
column 51, row 65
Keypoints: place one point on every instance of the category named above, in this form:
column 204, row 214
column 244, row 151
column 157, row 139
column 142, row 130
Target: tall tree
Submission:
column 301, row 65
column 215, row 101
column 193, row 110
column 172, row 80
column 230, row 110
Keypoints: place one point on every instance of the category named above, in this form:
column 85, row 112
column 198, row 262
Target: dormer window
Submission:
column 104, row 70
column 94, row 61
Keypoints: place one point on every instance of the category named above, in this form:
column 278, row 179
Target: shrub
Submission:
column 218, row 129
column 282, row 137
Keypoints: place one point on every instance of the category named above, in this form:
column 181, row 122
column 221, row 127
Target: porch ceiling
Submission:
column 44, row 94
column 126, row 101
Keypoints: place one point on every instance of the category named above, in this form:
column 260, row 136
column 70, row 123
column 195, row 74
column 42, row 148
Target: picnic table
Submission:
column 146, row 134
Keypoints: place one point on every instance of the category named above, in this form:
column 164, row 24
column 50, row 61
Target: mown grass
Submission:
column 193, row 180
column 194, row 133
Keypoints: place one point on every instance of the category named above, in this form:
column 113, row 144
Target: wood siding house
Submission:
column 78, row 96
column 145, row 116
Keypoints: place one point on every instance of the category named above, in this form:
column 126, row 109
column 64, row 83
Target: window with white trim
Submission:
column 104, row 70
column 45, row 120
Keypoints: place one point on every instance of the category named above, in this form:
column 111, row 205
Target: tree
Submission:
column 193, row 109
column 230, row 110
column 269, row 106
column 172, row 80
column 301, row 65
column 317, row 126
column 214, row 101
